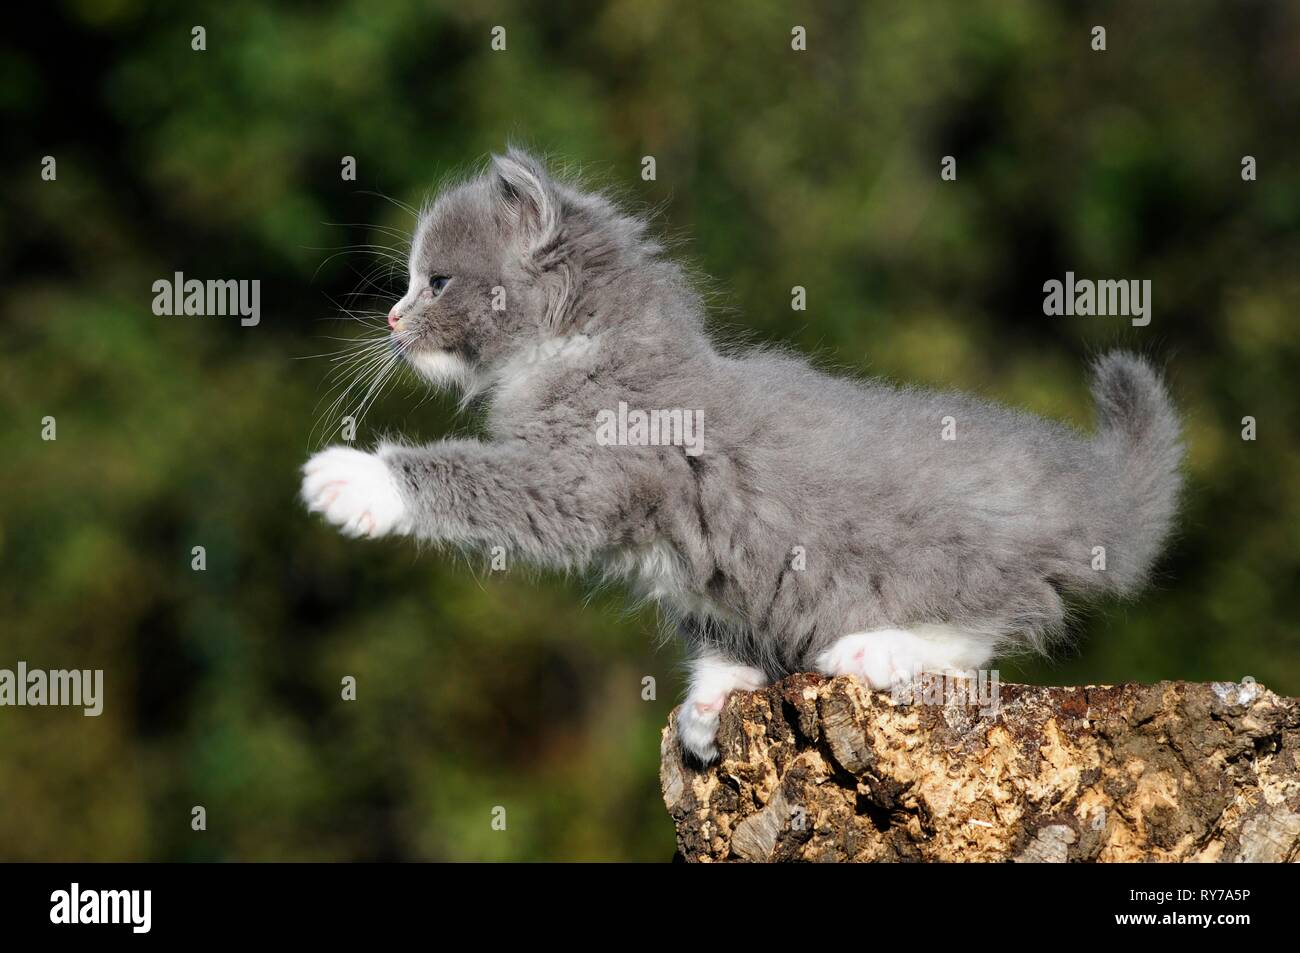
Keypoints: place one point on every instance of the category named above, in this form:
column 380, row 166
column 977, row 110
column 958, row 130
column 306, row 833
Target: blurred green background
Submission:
column 775, row 168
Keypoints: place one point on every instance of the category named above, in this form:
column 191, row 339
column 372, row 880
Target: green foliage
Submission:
column 782, row 168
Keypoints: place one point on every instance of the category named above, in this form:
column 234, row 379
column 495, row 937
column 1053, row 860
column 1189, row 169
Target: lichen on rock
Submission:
column 824, row 769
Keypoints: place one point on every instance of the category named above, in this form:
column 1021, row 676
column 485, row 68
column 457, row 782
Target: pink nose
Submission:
column 393, row 318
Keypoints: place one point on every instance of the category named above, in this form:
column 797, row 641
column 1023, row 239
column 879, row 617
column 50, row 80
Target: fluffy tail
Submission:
column 1139, row 441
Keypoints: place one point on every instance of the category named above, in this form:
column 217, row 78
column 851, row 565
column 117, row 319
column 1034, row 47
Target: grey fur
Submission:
column 899, row 527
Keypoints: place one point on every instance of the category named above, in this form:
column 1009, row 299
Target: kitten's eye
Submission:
column 437, row 283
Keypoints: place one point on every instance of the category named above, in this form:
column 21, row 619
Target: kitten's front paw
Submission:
column 354, row 491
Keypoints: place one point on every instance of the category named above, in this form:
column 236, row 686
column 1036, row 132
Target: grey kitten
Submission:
column 786, row 519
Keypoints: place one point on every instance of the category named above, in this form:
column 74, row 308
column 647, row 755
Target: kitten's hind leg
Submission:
column 713, row 678
column 884, row 657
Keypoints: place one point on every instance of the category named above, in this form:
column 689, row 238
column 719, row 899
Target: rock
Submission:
column 821, row 769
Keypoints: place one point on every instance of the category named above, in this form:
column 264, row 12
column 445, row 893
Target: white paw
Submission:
column 886, row 657
column 697, row 726
column 880, row 658
column 354, row 491
column 712, row 680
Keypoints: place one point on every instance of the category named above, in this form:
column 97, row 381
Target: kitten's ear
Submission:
column 527, row 199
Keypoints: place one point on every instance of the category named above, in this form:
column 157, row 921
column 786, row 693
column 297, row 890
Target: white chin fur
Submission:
column 442, row 367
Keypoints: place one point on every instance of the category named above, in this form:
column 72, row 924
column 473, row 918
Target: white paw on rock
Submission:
column 697, row 726
column 355, row 491
column 712, row 680
column 886, row 657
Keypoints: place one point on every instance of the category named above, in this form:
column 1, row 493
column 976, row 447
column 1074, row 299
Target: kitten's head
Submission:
column 499, row 263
